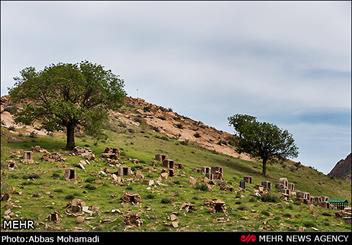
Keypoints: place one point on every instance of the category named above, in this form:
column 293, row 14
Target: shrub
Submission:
column 252, row 199
column 287, row 215
column 11, row 109
column 264, row 212
column 197, row 135
column 31, row 176
column 150, row 196
column 146, row 109
column 138, row 119
column 202, row 187
column 269, row 198
column 165, row 200
column 33, row 134
column 179, row 125
column 90, row 179
column 69, row 196
column 242, row 207
column 308, row 223
column 90, row 187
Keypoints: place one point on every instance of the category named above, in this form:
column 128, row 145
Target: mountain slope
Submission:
column 40, row 189
column 342, row 168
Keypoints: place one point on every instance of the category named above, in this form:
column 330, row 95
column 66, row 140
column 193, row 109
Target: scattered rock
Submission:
column 53, row 157
column 80, row 219
column 192, row 181
column 131, row 198
column 11, row 164
column 174, row 224
column 188, row 207
column 133, row 219
column 215, row 205
column 84, row 152
column 111, row 153
column 164, row 175
column 37, row 148
column 173, row 217
column 5, row 197
column 139, row 174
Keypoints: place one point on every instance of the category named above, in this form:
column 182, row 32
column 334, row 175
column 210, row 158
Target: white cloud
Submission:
column 204, row 59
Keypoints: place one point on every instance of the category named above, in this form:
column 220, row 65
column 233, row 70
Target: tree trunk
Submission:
column 264, row 167
column 70, row 133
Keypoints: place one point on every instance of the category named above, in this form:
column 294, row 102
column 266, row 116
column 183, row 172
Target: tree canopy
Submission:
column 262, row 139
column 64, row 95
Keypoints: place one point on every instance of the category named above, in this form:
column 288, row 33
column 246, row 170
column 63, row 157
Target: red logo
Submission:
column 248, row 238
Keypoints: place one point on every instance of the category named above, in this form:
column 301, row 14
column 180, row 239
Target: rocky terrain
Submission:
column 343, row 168
column 121, row 183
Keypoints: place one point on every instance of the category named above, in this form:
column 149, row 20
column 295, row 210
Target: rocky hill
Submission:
column 160, row 119
column 342, row 168
column 120, row 183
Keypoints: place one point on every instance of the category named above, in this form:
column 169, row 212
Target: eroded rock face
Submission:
column 342, row 168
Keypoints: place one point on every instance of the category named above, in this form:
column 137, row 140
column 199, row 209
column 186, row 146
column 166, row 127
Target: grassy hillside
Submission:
column 38, row 197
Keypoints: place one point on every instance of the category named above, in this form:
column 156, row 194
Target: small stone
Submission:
column 174, row 224
column 173, row 217
column 80, row 219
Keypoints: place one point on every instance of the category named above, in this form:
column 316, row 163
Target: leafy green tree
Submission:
column 64, row 96
column 262, row 139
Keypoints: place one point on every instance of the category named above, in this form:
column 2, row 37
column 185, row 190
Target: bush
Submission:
column 55, row 176
column 31, row 176
column 252, row 199
column 264, row 212
column 308, row 223
column 150, row 196
column 90, row 179
column 90, row 187
column 177, row 182
column 197, row 135
column 146, row 109
column 242, row 208
column 178, row 125
column 69, row 196
column 33, row 134
column 287, row 215
column 165, row 200
column 202, row 187
column 269, row 198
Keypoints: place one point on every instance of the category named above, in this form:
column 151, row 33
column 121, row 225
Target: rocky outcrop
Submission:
column 342, row 168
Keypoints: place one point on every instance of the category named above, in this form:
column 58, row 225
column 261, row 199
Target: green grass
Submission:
column 51, row 192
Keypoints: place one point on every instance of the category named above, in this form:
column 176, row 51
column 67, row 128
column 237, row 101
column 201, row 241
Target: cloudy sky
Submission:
column 288, row 63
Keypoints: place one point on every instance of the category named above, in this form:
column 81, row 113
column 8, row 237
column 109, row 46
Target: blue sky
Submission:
column 285, row 62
